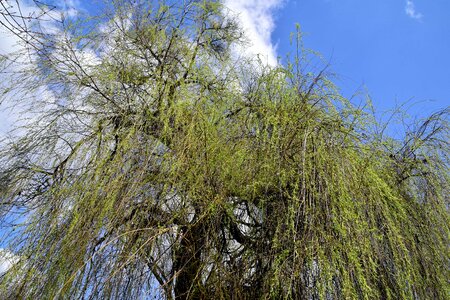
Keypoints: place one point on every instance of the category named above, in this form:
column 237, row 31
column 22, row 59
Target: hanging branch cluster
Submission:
column 154, row 161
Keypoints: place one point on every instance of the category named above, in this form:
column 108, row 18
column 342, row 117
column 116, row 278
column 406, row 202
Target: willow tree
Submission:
column 153, row 160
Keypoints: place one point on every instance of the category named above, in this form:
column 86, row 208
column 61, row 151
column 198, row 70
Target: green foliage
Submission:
column 168, row 167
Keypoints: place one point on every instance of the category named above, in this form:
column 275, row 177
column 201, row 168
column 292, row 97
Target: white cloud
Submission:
column 9, row 44
column 7, row 259
column 410, row 10
column 9, row 41
column 256, row 18
column 12, row 46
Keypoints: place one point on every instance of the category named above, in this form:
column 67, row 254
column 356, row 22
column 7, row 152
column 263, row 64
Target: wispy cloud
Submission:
column 410, row 10
column 256, row 18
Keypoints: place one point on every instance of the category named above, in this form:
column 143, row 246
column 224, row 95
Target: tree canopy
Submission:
column 153, row 160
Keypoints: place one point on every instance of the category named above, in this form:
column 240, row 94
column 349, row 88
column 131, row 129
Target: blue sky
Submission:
column 398, row 50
